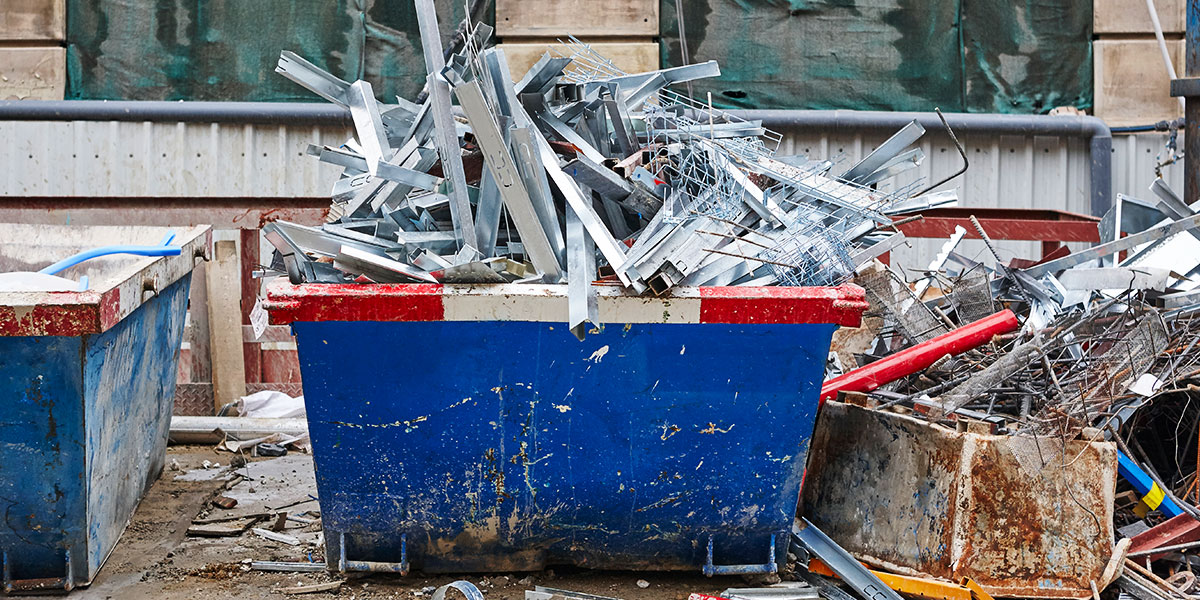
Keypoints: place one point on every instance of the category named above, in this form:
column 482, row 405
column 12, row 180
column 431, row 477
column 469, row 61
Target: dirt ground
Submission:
column 156, row 559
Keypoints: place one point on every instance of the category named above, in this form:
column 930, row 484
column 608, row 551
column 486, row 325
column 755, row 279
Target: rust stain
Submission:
column 668, row 431
column 1022, row 517
column 494, row 472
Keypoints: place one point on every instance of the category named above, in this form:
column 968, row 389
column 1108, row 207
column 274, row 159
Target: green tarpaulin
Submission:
column 227, row 49
column 960, row 55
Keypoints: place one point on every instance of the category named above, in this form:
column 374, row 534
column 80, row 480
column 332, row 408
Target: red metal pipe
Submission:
column 910, row 360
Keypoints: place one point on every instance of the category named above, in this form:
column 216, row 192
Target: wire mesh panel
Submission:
column 1132, row 352
column 972, row 296
column 812, row 252
column 892, row 299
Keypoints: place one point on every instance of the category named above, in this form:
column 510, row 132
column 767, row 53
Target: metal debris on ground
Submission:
column 577, row 172
column 313, row 588
column 547, row 593
column 274, row 536
column 790, row 590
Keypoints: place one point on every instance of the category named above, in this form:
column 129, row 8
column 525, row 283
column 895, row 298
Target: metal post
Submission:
column 1188, row 86
column 1191, row 161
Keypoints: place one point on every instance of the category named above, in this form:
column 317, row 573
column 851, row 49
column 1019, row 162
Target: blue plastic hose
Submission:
column 71, row 261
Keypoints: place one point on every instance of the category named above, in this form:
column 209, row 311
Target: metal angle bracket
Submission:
column 1171, row 204
column 364, row 110
column 508, row 180
column 582, row 297
column 840, row 562
column 529, row 163
column 1125, row 243
column 885, row 152
column 541, row 74
column 672, row 75
column 445, row 133
column 382, row 270
column 312, row 78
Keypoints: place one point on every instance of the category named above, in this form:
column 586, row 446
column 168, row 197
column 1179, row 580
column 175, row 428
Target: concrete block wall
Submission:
column 33, row 59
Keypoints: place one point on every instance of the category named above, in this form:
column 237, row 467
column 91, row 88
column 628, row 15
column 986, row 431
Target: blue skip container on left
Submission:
column 87, row 385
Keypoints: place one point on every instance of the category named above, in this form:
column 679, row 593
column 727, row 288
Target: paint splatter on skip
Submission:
column 598, row 355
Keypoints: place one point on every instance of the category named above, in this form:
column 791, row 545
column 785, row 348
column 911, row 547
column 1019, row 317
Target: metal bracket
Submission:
column 842, row 563
column 66, row 583
column 344, row 565
column 769, row 567
column 1188, row 87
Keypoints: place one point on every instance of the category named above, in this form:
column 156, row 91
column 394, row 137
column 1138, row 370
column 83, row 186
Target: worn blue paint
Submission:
column 83, row 433
column 498, row 446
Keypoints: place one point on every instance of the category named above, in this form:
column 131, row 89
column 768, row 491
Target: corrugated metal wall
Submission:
column 118, row 159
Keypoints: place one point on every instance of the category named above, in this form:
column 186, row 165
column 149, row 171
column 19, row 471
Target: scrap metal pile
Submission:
column 579, row 171
column 1098, row 333
column 1099, row 344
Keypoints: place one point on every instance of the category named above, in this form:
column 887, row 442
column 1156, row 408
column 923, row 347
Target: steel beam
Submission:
column 1161, row 232
column 1006, row 224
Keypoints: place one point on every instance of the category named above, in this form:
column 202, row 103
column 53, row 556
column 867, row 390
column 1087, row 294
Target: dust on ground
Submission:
column 155, row 559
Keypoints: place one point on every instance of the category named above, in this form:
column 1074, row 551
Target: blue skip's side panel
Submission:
column 83, row 431
column 511, row 445
column 42, row 487
column 130, row 373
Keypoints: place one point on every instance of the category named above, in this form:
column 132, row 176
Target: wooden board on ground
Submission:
column 33, row 72
column 1131, row 84
column 580, row 18
column 631, row 57
column 225, row 324
column 33, row 20
column 1131, row 16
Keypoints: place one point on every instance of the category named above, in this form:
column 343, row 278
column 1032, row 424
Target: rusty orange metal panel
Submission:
column 1021, row 516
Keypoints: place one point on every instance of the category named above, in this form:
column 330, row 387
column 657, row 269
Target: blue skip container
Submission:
column 87, row 380
column 460, row 428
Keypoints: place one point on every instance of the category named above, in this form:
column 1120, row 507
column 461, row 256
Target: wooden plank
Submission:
column 252, row 354
column 1131, row 84
column 33, row 72
column 198, row 328
column 1131, row 16
column 225, row 324
column 580, row 18
column 631, row 57
column 33, row 20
